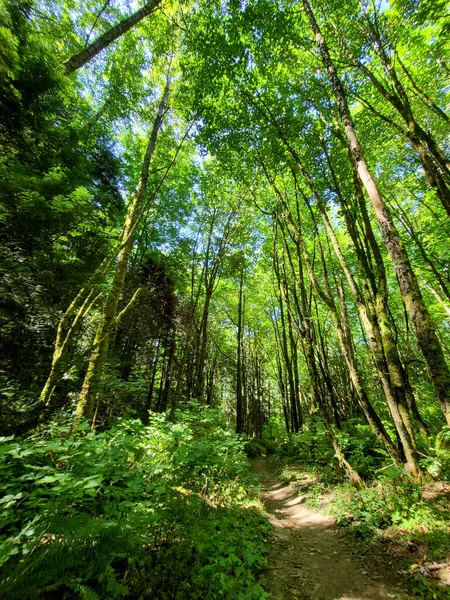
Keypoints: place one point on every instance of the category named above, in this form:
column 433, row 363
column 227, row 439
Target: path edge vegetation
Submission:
column 221, row 222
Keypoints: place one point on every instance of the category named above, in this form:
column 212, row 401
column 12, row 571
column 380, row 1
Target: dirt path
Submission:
column 309, row 561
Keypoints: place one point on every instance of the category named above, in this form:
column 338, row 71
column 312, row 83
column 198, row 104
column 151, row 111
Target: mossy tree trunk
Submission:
column 427, row 338
column 240, row 421
column 78, row 60
column 91, row 384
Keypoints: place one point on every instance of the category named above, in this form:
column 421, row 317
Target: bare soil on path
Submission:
column 309, row 559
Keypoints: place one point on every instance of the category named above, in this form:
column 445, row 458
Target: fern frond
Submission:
column 74, row 544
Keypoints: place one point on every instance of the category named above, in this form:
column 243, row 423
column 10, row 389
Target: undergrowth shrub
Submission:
column 158, row 512
column 361, row 447
column 271, row 445
column 395, row 503
column 311, row 448
column 436, row 454
column 254, row 449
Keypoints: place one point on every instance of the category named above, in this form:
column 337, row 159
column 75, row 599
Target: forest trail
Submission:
column 309, row 561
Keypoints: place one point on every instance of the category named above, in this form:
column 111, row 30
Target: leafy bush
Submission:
column 270, row 445
column 361, row 447
column 132, row 512
column 395, row 502
column 437, row 458
column 311, row 447
column 254, row 449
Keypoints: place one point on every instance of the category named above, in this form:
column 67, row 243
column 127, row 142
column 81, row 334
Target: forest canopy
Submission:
column 216, row 218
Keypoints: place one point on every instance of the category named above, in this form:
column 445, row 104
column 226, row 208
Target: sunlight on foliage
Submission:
column 159, row 511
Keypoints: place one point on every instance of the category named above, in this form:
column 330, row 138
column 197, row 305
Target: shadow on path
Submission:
column 309, row 561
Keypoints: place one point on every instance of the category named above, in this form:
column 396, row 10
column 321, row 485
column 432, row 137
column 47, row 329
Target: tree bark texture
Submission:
column 423, row 325
column 91, row 384
column 78, row 60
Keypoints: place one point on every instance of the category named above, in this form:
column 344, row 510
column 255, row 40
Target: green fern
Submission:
column 77, row 546
column 86, row 593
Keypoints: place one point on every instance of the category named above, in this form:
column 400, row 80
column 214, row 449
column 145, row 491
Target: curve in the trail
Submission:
column 309, row 561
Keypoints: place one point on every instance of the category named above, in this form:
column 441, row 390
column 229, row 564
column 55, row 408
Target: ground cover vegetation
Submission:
column 224, row 232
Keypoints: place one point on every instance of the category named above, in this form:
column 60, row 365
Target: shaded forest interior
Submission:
column 224, row 232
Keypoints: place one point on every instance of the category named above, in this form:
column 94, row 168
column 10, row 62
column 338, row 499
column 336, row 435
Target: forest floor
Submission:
column 311, row 560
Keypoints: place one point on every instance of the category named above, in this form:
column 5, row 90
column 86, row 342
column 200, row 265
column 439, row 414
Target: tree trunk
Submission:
column 78, row 60
column 168, row 374
column 68, row 325
column 435, row 164
column 343, row 332
column 89, row 391
column 239, row 390
column 288, row 358
column 151, row 387
column 66, row 329
column 409, row 289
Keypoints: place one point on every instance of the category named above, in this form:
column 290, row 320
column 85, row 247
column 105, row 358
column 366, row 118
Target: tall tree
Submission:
column 109, row 318
column 78, row 60
column 411, row 294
